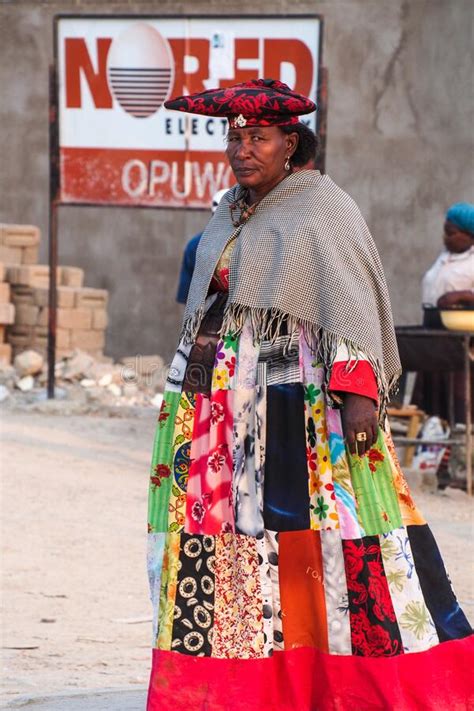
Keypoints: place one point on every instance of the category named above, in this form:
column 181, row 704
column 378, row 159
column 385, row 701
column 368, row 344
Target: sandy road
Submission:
column 74, row 587
column 73, row 503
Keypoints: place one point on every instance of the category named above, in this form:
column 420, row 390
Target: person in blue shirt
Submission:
column 189, row 256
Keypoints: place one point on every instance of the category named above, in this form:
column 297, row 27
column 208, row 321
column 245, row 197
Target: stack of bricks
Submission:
column 81, row 311
column 7, row 317
column 19, row 244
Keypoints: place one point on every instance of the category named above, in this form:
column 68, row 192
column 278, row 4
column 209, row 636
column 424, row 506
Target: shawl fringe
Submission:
column 267, row 325
column 191, row 326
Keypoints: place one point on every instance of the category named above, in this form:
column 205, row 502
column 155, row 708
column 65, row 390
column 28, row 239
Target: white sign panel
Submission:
column 118, row 144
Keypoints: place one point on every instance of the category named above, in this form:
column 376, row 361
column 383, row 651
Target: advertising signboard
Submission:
column 118, row 145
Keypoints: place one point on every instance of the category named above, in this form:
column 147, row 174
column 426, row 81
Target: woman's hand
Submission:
column 359, row 414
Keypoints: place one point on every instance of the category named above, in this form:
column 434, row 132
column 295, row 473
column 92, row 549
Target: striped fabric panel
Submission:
column 282, row 363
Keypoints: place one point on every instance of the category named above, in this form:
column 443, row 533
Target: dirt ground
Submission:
column 73, row 575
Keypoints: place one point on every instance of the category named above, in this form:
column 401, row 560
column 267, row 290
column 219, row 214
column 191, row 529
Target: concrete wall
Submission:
column 401, row 107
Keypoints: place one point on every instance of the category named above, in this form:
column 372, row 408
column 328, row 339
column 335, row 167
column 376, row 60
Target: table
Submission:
column 415, row 418
column 426, row 349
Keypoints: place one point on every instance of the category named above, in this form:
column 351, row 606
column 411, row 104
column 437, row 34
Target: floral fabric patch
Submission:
column 223, row 375
column 161, row 470
column 238, row 617
column 209, row 494
column 409, row 511
column 373, row 482
column 323, row 507
column 374, row 628
column 417, row 629
column 181, row 446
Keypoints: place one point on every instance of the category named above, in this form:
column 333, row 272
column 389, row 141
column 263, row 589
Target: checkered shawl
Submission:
column 305, row 258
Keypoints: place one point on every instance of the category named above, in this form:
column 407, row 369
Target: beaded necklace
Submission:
column 245, row 209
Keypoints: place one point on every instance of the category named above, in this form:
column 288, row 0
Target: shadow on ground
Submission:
column 95, row 701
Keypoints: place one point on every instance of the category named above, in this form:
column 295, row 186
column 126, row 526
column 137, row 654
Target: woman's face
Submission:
column 457, row 240
column 257, row 156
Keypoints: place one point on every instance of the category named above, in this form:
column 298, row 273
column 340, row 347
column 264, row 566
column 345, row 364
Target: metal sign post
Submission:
column 322, row 118
column 53, row 226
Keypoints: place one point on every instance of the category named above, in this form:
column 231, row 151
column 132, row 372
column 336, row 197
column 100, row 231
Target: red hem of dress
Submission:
column 306, row 679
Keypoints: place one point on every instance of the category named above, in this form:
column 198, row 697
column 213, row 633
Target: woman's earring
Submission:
column 287, row 163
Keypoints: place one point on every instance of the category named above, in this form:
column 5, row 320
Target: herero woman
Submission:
column 290, row 569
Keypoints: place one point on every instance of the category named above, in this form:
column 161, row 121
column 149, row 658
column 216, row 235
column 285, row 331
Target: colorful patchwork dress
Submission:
column 285, row 573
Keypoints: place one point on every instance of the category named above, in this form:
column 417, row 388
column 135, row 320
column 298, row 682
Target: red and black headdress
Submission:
column 260, row 102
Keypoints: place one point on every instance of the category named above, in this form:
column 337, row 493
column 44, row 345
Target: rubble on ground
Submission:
column 28, row 363
column 83, row 383
column 86, row 380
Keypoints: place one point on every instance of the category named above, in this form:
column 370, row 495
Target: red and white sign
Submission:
column 118, row 145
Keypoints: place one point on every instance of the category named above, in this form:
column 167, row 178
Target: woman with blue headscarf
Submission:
column 448, row 284
column 450, row 281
